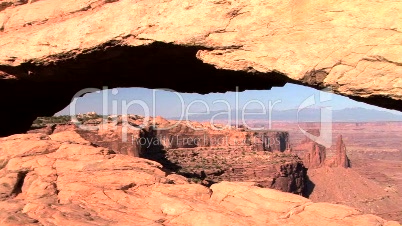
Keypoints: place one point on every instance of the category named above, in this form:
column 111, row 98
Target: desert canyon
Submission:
column 54, row 173
column 62, row 178
column 265, row 159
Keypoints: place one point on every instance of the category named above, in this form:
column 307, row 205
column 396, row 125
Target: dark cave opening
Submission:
column 42, row 89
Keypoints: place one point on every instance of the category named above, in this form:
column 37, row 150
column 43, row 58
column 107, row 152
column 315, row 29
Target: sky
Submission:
column 170, row 104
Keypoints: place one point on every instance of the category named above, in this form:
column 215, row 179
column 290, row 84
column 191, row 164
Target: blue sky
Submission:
column 169, row 104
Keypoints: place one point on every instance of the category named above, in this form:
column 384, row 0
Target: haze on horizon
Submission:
column 170, row 104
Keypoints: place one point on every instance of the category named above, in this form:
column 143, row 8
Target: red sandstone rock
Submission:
column 348, row 187
column 48, row 182
column 342, row 158
column 170, row 134
column 64, row 127
column 314, row 154
column 48, row 129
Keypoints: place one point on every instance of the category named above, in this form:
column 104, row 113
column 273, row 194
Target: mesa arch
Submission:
column 50, row 49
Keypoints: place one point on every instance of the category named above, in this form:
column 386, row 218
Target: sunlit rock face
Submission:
column 62, row 179
column 51, row 49
column 315, row 155
column 340, row 159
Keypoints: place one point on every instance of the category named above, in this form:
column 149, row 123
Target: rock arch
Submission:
column 52, row 49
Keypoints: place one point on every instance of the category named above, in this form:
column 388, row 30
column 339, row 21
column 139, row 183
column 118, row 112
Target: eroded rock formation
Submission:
column 50, row 49
column 210, row 165
column 203, row 152
column 315, row 158
column 340, row 158
column 315, row 155
column 64, row 180
column 312, row 153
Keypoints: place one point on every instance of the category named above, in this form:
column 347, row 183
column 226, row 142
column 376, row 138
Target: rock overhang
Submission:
column 52, row 49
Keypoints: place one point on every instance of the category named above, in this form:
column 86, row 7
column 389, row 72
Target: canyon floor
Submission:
column 374, row 181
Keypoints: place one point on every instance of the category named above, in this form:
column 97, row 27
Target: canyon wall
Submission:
column 194, row 134
column 200, row 151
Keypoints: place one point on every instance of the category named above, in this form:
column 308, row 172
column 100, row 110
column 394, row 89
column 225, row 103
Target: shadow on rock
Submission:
column 309, row 187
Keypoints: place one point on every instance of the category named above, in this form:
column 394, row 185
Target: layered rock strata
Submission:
column 203, row 152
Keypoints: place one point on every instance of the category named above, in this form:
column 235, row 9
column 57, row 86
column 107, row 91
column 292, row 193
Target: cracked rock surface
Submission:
column 58, row 181
column 353, row 47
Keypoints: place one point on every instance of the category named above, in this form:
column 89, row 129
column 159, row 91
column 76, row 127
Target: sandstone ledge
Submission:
column 63, row 182
column 334, row 44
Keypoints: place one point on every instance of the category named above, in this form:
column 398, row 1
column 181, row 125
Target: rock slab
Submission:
column 47, row 181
